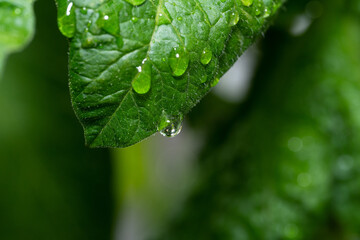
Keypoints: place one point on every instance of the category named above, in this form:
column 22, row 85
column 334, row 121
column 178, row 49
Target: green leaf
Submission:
column 16, row 26
column 135, row 63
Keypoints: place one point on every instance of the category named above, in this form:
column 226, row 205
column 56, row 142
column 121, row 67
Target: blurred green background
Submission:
column 272, row 153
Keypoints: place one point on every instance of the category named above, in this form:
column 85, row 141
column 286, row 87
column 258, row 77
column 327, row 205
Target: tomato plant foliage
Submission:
column 136, row 67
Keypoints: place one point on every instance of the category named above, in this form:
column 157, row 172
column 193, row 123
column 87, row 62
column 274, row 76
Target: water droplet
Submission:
column 247, row 3
column 66, row 19
column 83, row 10
column 108, row 21
column 135, row 2
column 68, row 9
column 180, row 18
column 163, row 17
column 179, row 61
column 170, row 126
column 215, row 82
column 234, row 18
column 257, row 12
column 134, row 19
column 206, row 56
column 204, row 79
column 142, row 81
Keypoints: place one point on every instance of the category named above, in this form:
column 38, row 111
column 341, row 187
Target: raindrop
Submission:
column 179, row 61
column 66, row 19
column 142, row 81
column 215, row 82
column 109, row 22
column 135, row 2
column 234, row 18
column 134, row 19
column 68, row 9
column 204, row 79
column 206, row 56
column 247, row 3
column 84, row 10
column 170, row 126
column 162, row 18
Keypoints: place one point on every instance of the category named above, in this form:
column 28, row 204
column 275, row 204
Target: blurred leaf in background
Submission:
column 16, row 26
column 286, row 164
column 51, row 186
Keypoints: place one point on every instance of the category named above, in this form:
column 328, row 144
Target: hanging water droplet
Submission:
column 179, row 61
column 170, row 126
column 66, row 19
column 142, row 81
column 234, row 18
column 247, row 3
column 206, row 56
column 257, row 11
column 215, row 82
column 135, row 2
